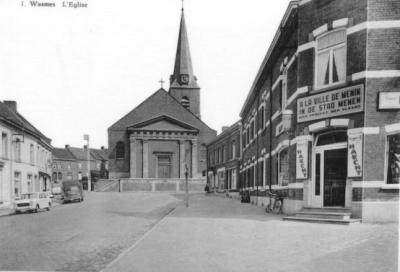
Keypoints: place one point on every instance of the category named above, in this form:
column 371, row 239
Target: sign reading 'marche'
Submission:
column 328, row 104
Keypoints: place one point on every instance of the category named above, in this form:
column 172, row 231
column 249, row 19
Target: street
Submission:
column 110, row 232
column 79, row 236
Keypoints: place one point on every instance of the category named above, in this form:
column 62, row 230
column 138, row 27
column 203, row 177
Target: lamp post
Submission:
column 86, row 138
column 186, row 186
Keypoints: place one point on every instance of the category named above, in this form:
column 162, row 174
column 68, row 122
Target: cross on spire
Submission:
column 162, row 83
column 183, row 4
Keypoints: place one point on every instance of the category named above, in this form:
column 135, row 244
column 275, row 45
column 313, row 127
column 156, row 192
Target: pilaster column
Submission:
column 145, row 158
column 133, row 158
column 181, row 159
column 194, row 159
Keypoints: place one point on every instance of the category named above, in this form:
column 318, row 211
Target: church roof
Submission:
column 159, row 104
column 183, row 60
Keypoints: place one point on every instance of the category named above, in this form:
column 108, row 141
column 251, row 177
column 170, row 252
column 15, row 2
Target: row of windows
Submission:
column 330, row 70
column 256, row 174
column 220, row 154
column 282, row 162
column 39, row 156
column 32, row 182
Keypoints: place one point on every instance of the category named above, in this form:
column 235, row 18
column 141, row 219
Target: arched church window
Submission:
column 120, row 151
column 185, row 102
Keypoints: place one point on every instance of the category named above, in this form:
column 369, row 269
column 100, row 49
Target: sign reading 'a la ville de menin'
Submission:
column 334, row 103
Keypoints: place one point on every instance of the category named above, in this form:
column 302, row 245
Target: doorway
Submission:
column 164, row 166
column 330, row 170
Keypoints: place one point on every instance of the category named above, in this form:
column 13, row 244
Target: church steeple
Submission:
column 183, row 83
column 183, row 69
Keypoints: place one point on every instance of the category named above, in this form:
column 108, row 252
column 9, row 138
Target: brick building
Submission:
column 164, row 134
column 223, row 154
column 70, row 163
column 314, row 129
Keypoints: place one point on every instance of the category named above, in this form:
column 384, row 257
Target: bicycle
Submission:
column 274, row 207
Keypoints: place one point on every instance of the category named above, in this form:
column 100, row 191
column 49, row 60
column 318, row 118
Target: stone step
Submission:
column 327, row 209
column 322, row 220
column 325, row 215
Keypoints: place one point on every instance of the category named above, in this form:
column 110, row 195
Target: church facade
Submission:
column 163, row 137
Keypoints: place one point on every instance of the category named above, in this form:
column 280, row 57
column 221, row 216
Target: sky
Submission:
column 76, row 71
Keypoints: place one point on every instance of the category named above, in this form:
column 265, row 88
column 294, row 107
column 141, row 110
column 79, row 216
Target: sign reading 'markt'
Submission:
column 328, row 104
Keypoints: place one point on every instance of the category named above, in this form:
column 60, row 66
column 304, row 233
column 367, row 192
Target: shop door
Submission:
column 329, row 176
column 335, row 173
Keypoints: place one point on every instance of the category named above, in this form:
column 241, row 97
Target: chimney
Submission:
column 67, row 146
column 84, row 147
column 224, row 128
column 102, row 147
column 12, row 105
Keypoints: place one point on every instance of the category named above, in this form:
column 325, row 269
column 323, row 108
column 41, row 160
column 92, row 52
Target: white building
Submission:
column 25, row 157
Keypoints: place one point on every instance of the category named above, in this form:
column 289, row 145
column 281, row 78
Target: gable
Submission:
column 163, row 123
column 160, row 103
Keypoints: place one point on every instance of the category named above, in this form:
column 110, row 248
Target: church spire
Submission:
column 183, row 71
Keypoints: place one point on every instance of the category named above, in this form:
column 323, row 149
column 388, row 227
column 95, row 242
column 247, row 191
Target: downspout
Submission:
column 270, row 135
column 257, row 140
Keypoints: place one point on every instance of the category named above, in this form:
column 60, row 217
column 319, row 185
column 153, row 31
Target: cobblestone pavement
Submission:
column 80, row 236
column 219, row 234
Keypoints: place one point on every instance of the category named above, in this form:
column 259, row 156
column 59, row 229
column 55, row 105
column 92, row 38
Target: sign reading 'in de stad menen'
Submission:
column 325, row 105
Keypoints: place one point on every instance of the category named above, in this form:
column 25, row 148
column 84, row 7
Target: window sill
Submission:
column 390, row 187
column 316, row 90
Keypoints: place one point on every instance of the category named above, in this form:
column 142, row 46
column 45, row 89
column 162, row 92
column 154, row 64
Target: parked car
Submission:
column 32, row 202
column 72, row 191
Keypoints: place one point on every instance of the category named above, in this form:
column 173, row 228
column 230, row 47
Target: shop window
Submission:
column 283, row 167
column 330, row 67
column 120, row 151
column 393, row 166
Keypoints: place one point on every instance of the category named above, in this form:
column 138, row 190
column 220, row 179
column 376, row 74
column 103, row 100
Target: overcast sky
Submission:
column 77, row 71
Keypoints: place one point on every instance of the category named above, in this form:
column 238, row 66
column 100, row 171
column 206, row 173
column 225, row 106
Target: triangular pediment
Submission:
column 163, row 123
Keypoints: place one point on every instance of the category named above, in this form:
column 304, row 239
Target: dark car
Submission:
column 72, row 191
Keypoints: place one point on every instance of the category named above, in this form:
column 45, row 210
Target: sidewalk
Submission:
column 220, row 234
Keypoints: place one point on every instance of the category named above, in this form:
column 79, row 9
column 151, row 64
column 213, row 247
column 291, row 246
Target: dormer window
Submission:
column 331, row 59
column 185, row 102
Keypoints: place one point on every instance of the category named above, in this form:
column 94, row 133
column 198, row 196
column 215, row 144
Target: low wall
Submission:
column 162, row 185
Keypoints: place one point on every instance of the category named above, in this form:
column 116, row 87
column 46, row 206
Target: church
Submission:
column 163, row 136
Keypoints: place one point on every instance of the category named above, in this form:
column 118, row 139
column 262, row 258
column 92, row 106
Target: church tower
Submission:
column 183, row 83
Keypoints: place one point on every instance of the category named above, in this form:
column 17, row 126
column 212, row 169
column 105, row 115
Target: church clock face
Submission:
column 185, row 79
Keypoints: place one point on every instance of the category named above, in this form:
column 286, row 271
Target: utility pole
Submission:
column 86, row 138
column 186, row 186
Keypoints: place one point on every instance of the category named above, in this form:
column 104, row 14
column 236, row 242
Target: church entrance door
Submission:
column 164, row 166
